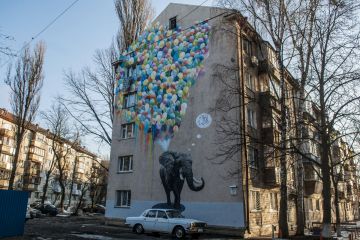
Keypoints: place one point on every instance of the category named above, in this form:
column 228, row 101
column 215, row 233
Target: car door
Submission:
column 162, row 222
column 150, row 218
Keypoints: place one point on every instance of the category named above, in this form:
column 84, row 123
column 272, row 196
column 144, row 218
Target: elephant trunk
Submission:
column 190, row 181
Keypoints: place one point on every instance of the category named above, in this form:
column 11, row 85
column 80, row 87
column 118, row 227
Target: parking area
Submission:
column 87, row 227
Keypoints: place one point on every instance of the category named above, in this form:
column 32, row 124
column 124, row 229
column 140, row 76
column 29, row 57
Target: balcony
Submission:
column 5, row 149
column 267, row 135
column 5, row 165
column 4, row 184
column 7, row 133
column 312, row 186
column 35, row 158
column 36, row 143
column 268, row 102
column 265, row 67
column 311, row 157
column 272, row 177
column 80, row 170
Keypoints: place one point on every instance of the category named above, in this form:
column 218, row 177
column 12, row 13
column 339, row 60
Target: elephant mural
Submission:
column 176, row 167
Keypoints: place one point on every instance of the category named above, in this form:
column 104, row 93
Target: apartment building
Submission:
column 198, row 96
column 37, row 158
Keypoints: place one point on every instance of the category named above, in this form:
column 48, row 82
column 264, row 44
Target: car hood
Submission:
column 184, row 220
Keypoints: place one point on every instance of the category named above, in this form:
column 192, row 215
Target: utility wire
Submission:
column 193, row 10
column 166, row 38
column 43, row 30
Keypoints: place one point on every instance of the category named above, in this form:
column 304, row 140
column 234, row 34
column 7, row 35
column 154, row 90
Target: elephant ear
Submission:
column 167, row 159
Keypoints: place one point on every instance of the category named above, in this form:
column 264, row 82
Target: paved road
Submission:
column 80, row 228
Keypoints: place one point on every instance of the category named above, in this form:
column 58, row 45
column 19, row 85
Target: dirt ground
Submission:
column 86, row 227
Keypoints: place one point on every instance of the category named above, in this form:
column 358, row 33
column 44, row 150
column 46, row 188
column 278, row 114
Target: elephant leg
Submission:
column 177, row 194
column 166, row 186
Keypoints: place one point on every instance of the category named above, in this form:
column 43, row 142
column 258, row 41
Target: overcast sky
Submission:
column 70, row 41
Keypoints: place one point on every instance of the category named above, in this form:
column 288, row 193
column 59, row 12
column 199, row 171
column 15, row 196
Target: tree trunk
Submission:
column 300, row 219
column 45, row 187
column 19, row 137
column 283, row 220
column 337, row 211
column 62, row 198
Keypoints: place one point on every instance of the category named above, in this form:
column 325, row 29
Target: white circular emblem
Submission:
column 203, row 120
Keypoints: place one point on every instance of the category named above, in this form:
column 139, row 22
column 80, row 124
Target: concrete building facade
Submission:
column 37, row 157
column 205, row 87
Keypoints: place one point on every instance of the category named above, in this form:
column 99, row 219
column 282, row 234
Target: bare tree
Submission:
column 301, row 27
column 335, row 74
column 92, row 92
column 63, row 139
column 48, row 173
column 133, row 16
column 25, row 85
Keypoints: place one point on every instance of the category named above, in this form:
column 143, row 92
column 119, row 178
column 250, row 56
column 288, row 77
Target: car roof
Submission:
column 163, row 209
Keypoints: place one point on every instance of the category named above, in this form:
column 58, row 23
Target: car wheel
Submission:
column 138, row 228
column 179, row 232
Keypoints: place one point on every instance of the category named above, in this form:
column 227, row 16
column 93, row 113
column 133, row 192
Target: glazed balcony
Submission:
column 8, row 150
column 4, row 184
column 271, row 177
column 36, row 143
column 35, row 158
column 7, row 133
column 312, row 186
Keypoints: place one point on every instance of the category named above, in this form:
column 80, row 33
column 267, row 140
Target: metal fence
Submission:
column 13, row 205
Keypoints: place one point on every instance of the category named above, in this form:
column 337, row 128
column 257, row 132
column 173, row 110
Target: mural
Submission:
column 154, row 78
column 175, row 169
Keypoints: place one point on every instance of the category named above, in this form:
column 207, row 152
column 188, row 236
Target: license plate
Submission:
column 200, row 230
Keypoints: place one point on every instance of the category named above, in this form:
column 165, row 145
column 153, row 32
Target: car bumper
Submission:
column 195, row 230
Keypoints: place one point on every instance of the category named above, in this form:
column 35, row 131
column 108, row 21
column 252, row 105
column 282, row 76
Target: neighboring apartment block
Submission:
column 198, row 102
column 37, row 158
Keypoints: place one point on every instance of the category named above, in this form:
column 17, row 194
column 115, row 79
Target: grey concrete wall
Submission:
column 214, row 203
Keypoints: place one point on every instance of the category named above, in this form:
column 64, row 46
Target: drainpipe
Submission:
column 240, row 63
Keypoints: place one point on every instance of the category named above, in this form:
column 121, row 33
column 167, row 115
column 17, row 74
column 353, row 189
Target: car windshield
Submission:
column 174, row 214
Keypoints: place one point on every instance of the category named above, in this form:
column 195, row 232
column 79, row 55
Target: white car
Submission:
column 165, row 220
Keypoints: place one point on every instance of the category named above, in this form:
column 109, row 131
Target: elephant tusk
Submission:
column 181, row 177
column 197, row 180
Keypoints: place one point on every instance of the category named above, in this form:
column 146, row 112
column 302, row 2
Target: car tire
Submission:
column 138, row 228
column 179, row 232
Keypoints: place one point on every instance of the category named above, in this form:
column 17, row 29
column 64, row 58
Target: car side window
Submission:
column 161, row 214
column 151, row 214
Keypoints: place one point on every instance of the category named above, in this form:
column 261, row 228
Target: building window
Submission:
column 253, row 154
column 273, row 201
column 310, row 204
column 127, row 130
column 251, row 117
column 123, row 198
column 125, row 164
column 255, row 200
column 247, row 46
column 172, row 23
column 318, row 204
column 129, row 100
column 250, row 81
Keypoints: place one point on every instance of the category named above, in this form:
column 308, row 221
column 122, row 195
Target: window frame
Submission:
column 255, row 205
column 125, row 127
column 172, row 20
column 126, row 101
column 121, row 161
column 120, row 193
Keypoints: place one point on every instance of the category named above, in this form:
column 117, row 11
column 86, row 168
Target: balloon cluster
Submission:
column 159, row 69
